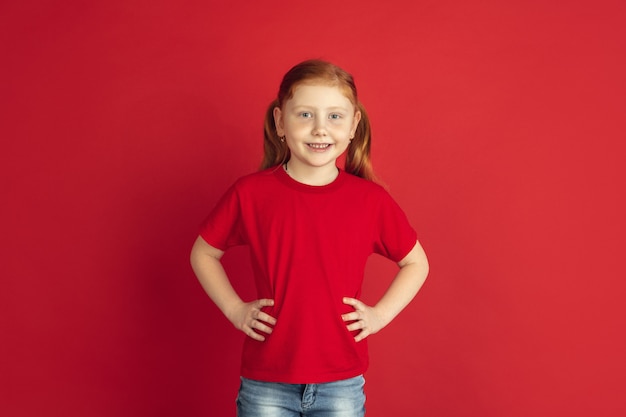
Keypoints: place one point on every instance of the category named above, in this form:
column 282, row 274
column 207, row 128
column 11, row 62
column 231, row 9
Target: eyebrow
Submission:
column 308, row 107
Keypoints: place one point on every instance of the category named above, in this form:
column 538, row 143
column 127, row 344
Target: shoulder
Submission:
column 371, row 195
column 367, row 187
column 257, row 179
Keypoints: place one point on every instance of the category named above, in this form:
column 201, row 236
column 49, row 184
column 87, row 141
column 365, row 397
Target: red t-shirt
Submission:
column 309, row 246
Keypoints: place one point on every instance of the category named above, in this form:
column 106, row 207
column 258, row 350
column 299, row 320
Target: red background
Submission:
column 498, row 126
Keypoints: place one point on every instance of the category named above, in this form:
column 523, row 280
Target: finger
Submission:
column 264, row 302
column 351, row 301
column 357, row 325
column 266, row 318
column 351, row 316
column 254, row 335
column 362, row 335
column 258, row 325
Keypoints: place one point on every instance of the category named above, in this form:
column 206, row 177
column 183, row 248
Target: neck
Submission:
column 316, row 176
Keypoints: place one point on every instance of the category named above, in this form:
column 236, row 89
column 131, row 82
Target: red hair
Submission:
column 358, row 154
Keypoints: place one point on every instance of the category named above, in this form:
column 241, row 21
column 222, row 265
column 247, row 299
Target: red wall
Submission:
column 499, row 127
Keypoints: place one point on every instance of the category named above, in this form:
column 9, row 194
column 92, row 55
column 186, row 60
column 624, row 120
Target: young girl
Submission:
column 310, row 227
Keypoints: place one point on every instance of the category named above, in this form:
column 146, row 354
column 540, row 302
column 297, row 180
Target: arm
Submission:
column 247, row 317
column 403, row 288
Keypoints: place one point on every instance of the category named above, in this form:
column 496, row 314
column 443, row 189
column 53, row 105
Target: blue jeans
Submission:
column 333, row 399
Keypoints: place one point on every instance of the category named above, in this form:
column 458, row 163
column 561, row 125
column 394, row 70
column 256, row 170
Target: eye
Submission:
column 306, row 114
column 335, row 116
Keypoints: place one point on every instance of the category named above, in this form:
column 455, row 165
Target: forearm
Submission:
column 206, row 264
column 402, row 290
column 247, row 317
column 407, row 282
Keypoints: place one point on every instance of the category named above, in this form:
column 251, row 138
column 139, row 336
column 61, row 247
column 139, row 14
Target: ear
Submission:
column 278, row 121
column 355, row 122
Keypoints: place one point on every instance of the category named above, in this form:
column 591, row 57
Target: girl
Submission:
column 310, row 227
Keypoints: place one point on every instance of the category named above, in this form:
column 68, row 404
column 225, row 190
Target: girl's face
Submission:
column 318, row 123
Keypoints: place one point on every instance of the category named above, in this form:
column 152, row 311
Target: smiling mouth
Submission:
column 318, row 145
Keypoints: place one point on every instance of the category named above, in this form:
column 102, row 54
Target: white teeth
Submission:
column 319, row 145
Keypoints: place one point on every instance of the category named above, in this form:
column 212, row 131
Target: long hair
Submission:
column 358, row 153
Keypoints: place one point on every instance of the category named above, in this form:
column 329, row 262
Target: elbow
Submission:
column 194, row 257
column 196, row 254
column 424, row 266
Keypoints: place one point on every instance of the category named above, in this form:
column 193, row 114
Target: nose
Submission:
column 319, row 129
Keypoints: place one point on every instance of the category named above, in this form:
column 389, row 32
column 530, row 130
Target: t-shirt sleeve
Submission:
column 222, row 228
column 395, row 236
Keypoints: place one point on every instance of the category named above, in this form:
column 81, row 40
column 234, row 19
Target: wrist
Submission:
column 384, row 314
column 231, row 309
